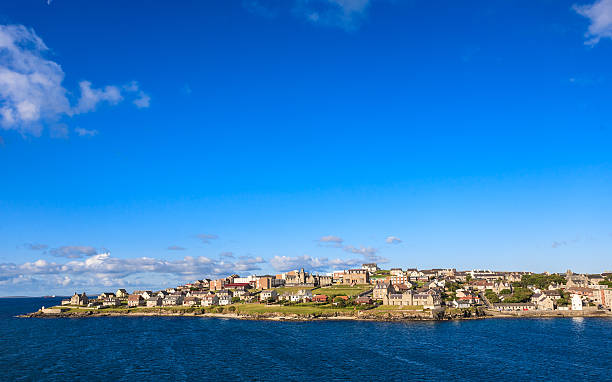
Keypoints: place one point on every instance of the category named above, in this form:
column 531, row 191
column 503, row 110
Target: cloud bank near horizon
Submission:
column 88, row 268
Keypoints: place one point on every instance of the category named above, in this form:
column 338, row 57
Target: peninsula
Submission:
column 367, row 293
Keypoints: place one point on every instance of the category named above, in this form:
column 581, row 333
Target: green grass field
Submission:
column 303, row 309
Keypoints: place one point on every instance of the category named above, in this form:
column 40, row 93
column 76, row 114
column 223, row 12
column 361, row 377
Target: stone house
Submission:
column 381, row 290
column 121, row 293
column 543, row 302
column 135, row 300
column 268, row 294
column 553, row 294
column 106, row 295
column 356, row 276
column 173, row 300
column 79, row 299
column 191, row 301
column 209, row 300
column 402, row 299
column 225, row 299
column 111, row 302
column 154, row 301
column 429, row 299
column 146, row 294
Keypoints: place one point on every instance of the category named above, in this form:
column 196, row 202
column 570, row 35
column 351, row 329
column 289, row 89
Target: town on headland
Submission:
column 365, row 293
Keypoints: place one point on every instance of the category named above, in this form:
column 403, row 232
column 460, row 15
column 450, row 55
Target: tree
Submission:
column 607, row 281
column 541, row 281
column 339, row 301
column 519, row 295
column 491, row 296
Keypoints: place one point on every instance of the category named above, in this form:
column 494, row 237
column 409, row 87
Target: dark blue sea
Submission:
column 200, row 349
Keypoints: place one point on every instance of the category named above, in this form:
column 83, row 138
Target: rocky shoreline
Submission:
column 359, row 315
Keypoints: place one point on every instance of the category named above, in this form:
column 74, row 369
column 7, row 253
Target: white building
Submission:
column 576, row 302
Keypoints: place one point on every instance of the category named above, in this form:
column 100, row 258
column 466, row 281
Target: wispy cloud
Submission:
column 557, row 244
column 31, row 89
column 562, row 243
column 175, row 248
column 365, row 251
column 74, row 251
column 344, row 14
column 331, row 241
column 207, row 237
column 393, row 240
column 599, row 14
column 91, row 98
column 227, row 255
column 368, row 253
column 85, row 132
column 59, row 131
column 36, row 246
column 143, row 100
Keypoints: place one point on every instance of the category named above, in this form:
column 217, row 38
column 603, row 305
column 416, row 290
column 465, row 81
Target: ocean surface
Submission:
column 200, row 349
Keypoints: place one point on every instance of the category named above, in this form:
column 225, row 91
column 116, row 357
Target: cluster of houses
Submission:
column 429, row 289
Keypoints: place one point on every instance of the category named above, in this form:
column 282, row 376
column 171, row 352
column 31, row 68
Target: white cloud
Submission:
column 30, row 85
column 90, row 98
column 207, row 237
column 85, row 132
column 143, row 100
column 31, row 90
column 393, row 240
column 74, row 251
column 600, row 15
column 103, row 270
column 331, row 239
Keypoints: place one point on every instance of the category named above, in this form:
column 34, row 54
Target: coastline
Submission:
column 389, row 316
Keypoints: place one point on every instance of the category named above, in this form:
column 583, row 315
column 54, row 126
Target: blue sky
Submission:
column 198, row 138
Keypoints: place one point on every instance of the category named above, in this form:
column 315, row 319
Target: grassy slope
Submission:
column 305, row 309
